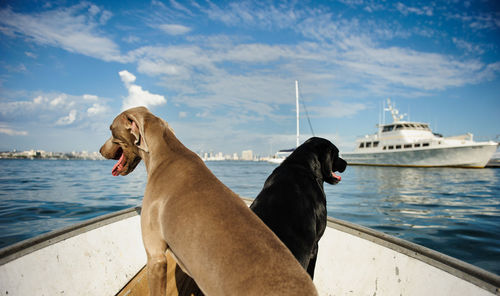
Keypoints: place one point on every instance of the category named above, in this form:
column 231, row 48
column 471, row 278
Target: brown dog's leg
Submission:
column 157, row 263
column 157, row 274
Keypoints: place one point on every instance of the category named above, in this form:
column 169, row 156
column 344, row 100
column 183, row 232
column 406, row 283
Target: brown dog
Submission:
column 215, row 237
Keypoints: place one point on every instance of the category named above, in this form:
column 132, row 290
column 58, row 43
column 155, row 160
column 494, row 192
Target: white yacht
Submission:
column 413, row 144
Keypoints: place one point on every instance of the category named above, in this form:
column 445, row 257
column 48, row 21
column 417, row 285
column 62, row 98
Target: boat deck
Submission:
column 178, row 282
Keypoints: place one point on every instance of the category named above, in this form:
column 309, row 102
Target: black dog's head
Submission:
column 321, row 156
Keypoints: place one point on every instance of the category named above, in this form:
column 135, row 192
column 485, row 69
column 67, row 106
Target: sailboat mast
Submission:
column 297, row 108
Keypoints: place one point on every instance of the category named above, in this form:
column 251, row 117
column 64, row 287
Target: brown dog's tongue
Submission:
column 118, row 166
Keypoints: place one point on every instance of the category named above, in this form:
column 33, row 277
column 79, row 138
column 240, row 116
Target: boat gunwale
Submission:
column 30, row 245
column 468, row 272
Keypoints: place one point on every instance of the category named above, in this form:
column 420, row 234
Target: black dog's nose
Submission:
column 340, row 165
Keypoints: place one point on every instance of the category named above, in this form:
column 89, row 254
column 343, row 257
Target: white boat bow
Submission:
column 100, row 256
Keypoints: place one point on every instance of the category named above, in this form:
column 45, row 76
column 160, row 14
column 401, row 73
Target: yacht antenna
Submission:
column 297, row 108
column 396, row 117
column 383, row 111
column 379, row 115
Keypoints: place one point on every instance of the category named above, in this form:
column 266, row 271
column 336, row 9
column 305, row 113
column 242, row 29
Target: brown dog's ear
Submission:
column 136, row 126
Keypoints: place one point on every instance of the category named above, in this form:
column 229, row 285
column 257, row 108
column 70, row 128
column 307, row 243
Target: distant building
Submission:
column 31, row 154
column 247, row 155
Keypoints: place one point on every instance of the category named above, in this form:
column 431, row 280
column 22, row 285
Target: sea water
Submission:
column 453, row 211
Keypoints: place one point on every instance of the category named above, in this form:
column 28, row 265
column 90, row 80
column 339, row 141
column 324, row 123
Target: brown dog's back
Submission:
column 220, row 239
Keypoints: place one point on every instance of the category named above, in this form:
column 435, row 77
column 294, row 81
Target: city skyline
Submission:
column 95, row 155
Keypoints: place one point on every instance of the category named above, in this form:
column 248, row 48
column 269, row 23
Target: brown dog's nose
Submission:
column 105, row 149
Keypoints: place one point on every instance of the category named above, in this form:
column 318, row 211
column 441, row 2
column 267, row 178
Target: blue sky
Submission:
column 222, row 73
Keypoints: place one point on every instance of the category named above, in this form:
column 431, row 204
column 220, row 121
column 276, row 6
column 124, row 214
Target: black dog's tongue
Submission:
column 338, row 178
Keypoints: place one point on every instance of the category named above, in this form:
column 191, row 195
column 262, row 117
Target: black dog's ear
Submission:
column 327, row 166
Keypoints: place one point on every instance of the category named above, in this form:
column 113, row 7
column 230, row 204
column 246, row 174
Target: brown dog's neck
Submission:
column 161, row 148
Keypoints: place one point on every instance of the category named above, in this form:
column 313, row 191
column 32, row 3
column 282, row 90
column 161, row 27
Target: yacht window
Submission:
column 375, row 144
column 368, row 144
column 407, row 146
column 407, row 125
column 391, row 147
column 417, row 145
column 362, row 145
column 385, row 147
column 388, row 128
column 425, row 144
column 398, row 146
column 399, row 126
column 425, row 127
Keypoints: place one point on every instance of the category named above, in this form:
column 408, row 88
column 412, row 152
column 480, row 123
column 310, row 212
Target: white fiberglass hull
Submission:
column 100, row 256
column 275, row 160
column 475, row 156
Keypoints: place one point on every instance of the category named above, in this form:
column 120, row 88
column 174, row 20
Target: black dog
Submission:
column 292, row 202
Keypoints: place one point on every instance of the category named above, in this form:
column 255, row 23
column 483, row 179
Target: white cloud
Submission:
column 4, row 129
column 90, row 97
column 49, row 109
column 181, row 7
column 73, row 29
column 254, row 76
column 59, row 100
column 336, row 109
column 96, row 109
column 410, row 68
column 157, row 67
column 17, row 69
column 136, row 95
column 67, row 120
column 174, row 29
column 38, row 100
column 127, row 77
column 405, row 10
column 30, row 54
column 467, row 46
column 478, row 21
column 256, row 14
column 131, row 39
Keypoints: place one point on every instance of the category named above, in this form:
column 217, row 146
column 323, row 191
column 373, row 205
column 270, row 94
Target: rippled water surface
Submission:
column 454, row 211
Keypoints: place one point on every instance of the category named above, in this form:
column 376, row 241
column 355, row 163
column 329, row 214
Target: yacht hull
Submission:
column 471, row 156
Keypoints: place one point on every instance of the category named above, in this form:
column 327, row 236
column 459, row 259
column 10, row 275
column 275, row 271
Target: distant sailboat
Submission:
column 284, row 153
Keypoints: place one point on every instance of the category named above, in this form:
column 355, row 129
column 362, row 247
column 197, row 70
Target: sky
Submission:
column 223, row 73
